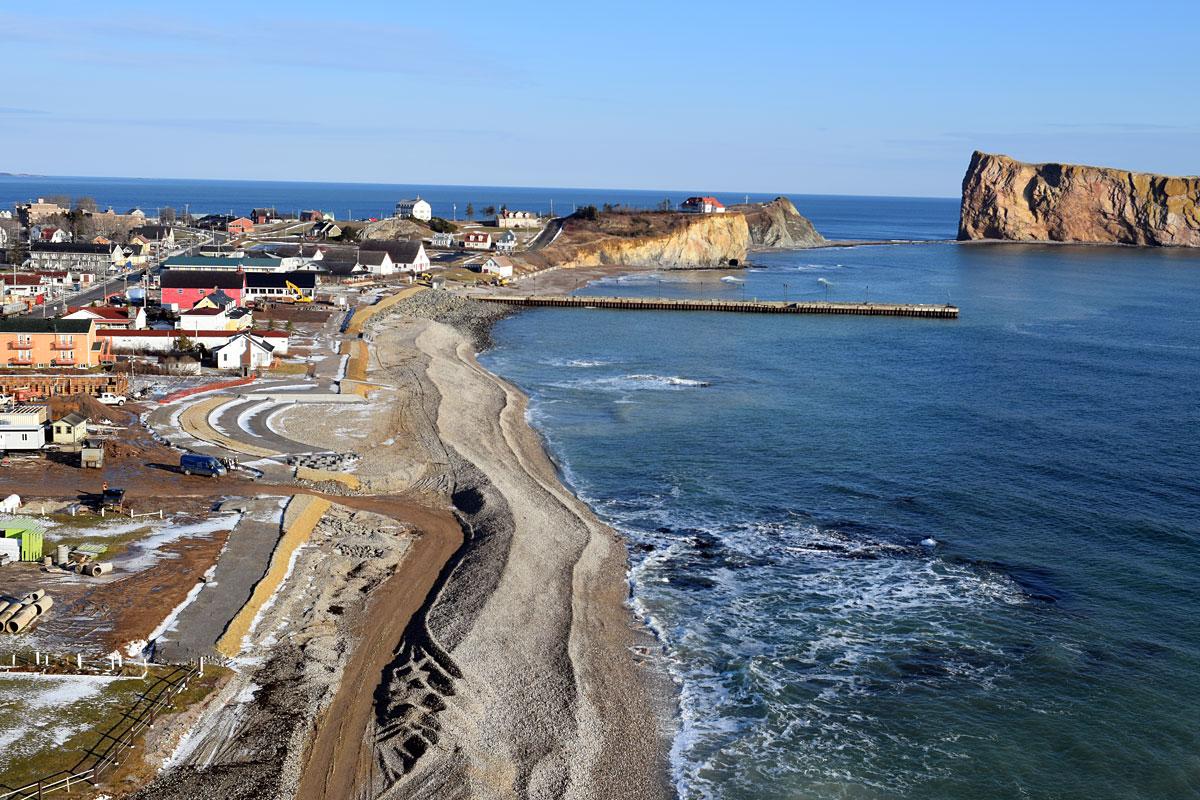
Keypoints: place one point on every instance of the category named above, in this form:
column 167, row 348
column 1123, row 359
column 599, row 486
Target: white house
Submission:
column 500, row 266
column 410, row 257
column 376, row 262
column 703, row 205
column 445, row 240
column 414, row 209
column 203, row 319
column 244, row 351
column 477, row 241
column 506, row 242
column 517, row 219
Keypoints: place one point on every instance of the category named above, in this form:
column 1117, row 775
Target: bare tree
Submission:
column 85, row 203
column 166, row 215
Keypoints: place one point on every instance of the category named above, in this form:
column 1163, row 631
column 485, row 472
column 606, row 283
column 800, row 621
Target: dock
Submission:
column 729, row 306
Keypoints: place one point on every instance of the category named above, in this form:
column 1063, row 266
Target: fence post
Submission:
column 79, row 661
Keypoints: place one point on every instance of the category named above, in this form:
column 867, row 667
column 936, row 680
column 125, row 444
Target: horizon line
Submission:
column 33, row 176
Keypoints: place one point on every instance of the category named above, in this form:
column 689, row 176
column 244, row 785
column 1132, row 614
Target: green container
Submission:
column 29, row 532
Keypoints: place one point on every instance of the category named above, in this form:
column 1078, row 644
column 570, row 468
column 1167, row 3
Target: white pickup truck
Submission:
column 110, row 399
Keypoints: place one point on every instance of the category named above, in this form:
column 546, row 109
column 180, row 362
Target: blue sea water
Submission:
column 894, row 558
column 836, row 216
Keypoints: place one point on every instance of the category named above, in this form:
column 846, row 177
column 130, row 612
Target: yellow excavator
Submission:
column 300, row 296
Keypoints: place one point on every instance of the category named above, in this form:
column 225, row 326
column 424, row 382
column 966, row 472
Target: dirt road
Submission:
column 341, row 757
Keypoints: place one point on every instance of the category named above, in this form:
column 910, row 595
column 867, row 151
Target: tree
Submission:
column 350, row 233
column 166, row 215
column 608, row 207
column 60, row 200
column 184, row 343
column 489, row 211
column 470, row 211
column 440, row 225
column 587, row 212
column 85, row 204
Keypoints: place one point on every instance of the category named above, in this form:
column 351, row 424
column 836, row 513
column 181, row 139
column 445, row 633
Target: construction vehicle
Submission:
column 91, row 456
column 112, row 498
column 300, row 296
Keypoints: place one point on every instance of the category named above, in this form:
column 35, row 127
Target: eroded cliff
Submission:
column 1003, row 198
column 673, row 240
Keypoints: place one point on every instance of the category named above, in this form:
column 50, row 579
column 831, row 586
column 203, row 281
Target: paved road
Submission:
column 242, row 564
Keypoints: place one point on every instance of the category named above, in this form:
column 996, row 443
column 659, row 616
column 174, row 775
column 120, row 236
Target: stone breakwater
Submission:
column 1011, row 200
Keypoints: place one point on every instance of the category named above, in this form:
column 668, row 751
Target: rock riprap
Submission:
column 1006, row 199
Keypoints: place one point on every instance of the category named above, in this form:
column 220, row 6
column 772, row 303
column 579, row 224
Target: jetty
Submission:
column 731, row 306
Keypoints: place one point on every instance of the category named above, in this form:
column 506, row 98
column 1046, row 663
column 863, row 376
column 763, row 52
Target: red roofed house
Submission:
column 477, row 241
column 703, row 205
column 133, row 318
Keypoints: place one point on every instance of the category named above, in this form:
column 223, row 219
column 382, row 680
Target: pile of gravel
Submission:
column 471, row 317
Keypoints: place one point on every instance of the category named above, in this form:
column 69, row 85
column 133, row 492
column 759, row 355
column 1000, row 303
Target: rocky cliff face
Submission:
column 668, row 240
column 665, row 241
column 777, row 225
column 1007, row 199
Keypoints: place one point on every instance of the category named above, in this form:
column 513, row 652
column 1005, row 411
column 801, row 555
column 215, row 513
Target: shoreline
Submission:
column 543, row 674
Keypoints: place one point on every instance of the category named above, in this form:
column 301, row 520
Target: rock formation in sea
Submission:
column 1006, row 199
column 673, row 240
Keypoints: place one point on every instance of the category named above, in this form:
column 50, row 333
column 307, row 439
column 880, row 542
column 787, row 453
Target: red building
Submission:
column 185, row 288
column 240, row 226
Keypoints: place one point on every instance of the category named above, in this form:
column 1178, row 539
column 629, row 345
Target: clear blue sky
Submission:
column 842, row 97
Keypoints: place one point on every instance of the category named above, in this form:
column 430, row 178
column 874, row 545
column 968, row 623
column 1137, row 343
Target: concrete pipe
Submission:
column 98, row 569
column 62, row 554
column 5, row 605
column 10, row 612
column 36, row 594
column 47, row 561
column 79, row 566
column 44, row 604
column 22, row 619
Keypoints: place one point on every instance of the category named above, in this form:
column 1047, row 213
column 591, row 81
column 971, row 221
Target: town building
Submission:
column 415, row 208
column 406, row 256
column 183, row 288
column 239, row 226
column 33, row 213
column 324, row 229
column 160, row 234
column 24, row 284
column 477, row 241
column 97, row 258
column 312, row 216
column 500, row 266
column 23, row 428
column 51, row 234
column 280, row 285
column 376, row 262
column 702, row 205
column 517, row 219
column 156, row 341
column 443, row 240
column 204, row 319
column 246, row 352
column 32, row 342
column 260, row 263
column 71, row 429
column 132, row 318
column 506, row 242
column 262, row 216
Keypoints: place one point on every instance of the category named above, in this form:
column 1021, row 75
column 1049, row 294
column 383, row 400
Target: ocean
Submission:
column 894, row 558
column 886, row 558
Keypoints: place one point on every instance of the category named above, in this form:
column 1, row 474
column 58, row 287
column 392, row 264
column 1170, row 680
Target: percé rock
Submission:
column 777, row 225
column 1003, row 198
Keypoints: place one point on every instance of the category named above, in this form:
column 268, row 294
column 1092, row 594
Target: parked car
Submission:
column 110, row 399
column 195, row 464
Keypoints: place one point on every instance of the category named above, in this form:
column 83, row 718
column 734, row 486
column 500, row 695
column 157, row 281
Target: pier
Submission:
column 730, row 306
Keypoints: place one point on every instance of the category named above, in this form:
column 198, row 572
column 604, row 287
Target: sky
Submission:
column 843, row 97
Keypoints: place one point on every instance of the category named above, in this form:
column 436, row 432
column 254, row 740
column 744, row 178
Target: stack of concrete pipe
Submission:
column 17, row 615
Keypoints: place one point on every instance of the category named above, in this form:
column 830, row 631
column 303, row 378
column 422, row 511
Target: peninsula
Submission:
column 1006, row 199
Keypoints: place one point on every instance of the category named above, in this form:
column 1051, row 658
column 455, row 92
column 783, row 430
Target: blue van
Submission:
column 190, row 464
